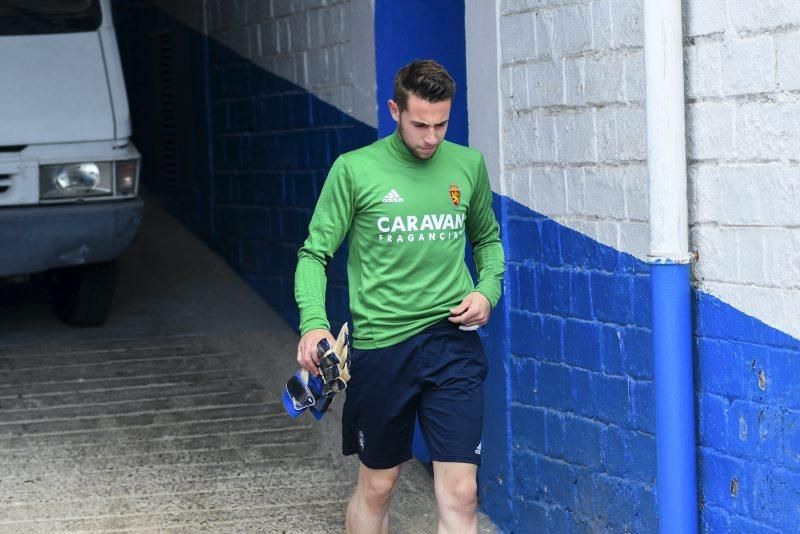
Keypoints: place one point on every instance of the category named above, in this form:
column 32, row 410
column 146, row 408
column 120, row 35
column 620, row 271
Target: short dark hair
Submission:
column 426, row 79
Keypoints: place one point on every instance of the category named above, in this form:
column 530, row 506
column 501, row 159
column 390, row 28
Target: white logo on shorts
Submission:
column 478, row 449
column 361, row 440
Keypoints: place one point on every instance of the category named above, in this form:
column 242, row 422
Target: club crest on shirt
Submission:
column 455, row 194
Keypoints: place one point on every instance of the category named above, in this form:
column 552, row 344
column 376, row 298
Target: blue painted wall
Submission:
column 273, row 144
column 496, row 483
column 419, row 29
column 582, row 399
column 748, row 382
column 580, row 380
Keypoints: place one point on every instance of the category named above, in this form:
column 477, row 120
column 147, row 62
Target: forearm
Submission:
column 329, row 224
column 487, row 248
column 310, row 282
column 490, row 263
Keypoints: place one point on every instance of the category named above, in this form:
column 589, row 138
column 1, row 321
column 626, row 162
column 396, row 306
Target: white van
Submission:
column 68, row 171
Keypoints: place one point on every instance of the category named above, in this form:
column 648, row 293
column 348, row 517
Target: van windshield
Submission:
column 36, row 17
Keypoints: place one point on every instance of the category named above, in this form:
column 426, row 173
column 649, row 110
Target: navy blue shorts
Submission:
column 436, row 375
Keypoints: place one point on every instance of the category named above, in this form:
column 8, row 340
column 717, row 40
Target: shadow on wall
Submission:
column 580, row 375
column 165, row 72
column 237, row 153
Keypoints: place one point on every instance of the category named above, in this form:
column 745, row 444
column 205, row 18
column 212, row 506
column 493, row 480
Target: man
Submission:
column 406, row 203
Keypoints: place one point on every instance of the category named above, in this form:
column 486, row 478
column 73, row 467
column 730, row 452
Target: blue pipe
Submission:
column 674, row 385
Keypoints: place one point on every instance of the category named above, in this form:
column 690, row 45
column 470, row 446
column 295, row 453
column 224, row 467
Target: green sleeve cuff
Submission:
column 491, row 294
column 314, row 324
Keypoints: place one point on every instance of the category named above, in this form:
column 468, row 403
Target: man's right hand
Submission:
column 307, row 349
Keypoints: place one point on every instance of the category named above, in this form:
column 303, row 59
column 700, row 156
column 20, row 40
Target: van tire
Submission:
column 82, row 295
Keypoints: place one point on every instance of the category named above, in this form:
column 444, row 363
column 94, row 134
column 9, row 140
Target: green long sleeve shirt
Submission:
column 406, row 221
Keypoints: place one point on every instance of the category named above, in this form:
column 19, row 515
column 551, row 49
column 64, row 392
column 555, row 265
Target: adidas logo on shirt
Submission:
column 392, row 196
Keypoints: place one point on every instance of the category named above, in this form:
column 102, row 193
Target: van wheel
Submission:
column 82, row 295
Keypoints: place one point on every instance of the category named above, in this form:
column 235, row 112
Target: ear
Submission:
column 394, row 110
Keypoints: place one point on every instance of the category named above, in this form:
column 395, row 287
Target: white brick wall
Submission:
column 573, row 123
column 742, row 71
column 324, row 46
column 573, row 117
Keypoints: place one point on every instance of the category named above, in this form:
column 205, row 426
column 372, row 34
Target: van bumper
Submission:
column 37, row 238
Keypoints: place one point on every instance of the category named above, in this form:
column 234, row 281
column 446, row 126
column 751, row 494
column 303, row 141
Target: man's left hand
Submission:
column 474, row 310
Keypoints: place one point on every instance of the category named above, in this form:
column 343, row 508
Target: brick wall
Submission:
column 281, row 102
column 582, row 421
column 743, row 105
column 572, row 80
column 580, row 365
column 581, row 375
column 239, row 109
column 572, row 76
column 324, row 46
column 748, row 433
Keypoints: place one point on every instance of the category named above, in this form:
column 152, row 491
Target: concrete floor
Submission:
column 168, row 418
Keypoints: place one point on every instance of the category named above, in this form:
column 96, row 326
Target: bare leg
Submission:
column 368, row 511
column 456, row 496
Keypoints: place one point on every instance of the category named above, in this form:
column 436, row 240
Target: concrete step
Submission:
column 20, row 358
column 111, row 385
column 85, row 474
column 102, row 370
column 180, row 392
column 79, row 366
column 160, row 404
column 63, row 491
column 72, row 421
column 105, row 345
column 322, row 516
column 159, row 455
column 224, row 493
column 117, row 437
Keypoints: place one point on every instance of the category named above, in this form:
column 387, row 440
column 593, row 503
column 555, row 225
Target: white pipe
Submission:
column 666, row 136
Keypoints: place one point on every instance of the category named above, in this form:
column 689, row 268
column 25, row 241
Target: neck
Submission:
column 401, row 151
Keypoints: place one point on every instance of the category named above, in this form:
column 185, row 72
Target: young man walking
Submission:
column 407, row 203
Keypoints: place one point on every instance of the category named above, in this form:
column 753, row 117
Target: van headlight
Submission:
column 102, row 178
column 75, row 180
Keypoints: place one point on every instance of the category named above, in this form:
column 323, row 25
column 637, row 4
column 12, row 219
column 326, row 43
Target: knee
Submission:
column 459, row 493
column 378, row 487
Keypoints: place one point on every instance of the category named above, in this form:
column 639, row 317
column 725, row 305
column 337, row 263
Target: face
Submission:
column 422, row 124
